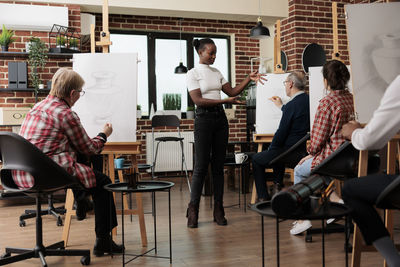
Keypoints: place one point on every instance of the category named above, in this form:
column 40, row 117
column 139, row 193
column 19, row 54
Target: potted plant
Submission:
column 6, row 38
column 190, row 112
column 37, row 59
column 172, row 104
column 73, row 44
column 138, row 112
column 60, row 41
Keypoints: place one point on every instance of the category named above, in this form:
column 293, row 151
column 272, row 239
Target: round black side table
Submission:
column 143, row 187
column 331, row 210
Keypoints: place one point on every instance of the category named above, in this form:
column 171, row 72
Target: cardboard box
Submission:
column 12, row 116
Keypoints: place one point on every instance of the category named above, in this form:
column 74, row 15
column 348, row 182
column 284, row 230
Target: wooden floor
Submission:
column 237, row 244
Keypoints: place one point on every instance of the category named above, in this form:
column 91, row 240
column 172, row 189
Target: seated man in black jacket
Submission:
column 294, row 124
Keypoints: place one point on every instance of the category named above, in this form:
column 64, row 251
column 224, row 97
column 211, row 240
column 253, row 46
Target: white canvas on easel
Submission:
column 110, row 93
column 317, row 90
column 373, row 32
column 268, row 115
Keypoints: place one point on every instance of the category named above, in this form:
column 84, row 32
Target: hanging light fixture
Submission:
column 259, row 31
column 181, row 69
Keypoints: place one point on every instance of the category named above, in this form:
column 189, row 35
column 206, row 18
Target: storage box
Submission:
column 12, row 116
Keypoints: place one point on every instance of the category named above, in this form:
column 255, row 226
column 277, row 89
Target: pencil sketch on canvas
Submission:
column 268, row 115
column 373, row 31
column 110, row 93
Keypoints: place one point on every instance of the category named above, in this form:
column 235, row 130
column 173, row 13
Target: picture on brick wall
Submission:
column 268, row 115
column 374, row 42
column 110, row 93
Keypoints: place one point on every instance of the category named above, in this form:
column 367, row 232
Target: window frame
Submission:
column 151, row 56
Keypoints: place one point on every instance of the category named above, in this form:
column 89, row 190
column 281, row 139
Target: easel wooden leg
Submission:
column 69, row 204
column 142, row 224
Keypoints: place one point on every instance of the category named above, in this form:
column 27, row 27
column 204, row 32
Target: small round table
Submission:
column 331, row 210
column 242, row 180
column 143, row 187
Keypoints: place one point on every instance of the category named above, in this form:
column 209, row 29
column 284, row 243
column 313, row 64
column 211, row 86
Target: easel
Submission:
column 277, row 49
column 111, row 150
column 358, row 245
column 336, row 53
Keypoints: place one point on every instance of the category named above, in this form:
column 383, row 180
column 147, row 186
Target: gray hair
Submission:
column 299, row 80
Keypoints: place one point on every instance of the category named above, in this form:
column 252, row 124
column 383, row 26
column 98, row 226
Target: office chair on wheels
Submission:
column 168, row 121
column 19, row 154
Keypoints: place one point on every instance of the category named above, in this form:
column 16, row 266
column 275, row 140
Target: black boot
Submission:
column 192, row 213
column 106, row 245
column 219, row 213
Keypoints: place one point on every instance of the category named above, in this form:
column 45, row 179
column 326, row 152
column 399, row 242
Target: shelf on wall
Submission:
column 26, row 54
column 24, row 90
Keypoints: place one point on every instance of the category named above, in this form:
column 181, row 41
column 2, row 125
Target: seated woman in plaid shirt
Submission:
column 55, row 129
column 334, row 110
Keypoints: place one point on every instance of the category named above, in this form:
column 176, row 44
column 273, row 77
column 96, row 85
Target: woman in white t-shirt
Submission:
column 211, row 131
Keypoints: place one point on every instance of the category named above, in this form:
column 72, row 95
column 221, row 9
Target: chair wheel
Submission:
column 59, row 222
column 308, row 238
column 85, row 260
column 5, row 255
column 22, row 223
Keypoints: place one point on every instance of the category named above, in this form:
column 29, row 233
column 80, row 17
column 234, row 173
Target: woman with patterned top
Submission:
column 205, row 84
column 56, row 130
column 334, row 110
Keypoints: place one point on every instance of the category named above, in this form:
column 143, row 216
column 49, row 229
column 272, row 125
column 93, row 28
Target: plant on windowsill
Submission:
column 190, row 112
column 6, row 38
column 37, row 59
column 172, row 104
column 138, row 112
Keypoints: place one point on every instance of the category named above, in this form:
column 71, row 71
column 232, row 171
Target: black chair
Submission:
column 390, row 197
column 167, row 121
column 51, row 210
column 342, row 164
column 19, row 154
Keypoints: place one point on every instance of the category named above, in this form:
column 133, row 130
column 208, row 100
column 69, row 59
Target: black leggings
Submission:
column 361, row 194
column 211, row 138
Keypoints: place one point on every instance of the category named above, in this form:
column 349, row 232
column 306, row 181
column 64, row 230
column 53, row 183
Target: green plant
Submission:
column 172, row 101
column 60, row 40
column 73, row 42
column 37, row 59
column 138, row 107
column 6, row 37
column 190, row 108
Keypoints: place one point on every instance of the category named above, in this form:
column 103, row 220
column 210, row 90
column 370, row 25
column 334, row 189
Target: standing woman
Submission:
column 210, row 126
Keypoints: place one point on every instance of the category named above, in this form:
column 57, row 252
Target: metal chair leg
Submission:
column 186, row 172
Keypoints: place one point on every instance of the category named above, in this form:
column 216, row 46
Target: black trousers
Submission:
column 361, row 194
column 210, row 141
column 261, row 161
column 103, row 200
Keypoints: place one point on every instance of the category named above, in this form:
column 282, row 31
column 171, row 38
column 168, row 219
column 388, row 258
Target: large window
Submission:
column 159, row 53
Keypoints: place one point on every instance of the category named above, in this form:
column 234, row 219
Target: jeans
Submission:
column 361, row 194
column 260, row 162
column 302, row 171
column 210, row 141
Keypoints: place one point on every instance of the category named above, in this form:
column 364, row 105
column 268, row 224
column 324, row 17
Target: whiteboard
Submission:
column 373, row 32
column 110, row 93
column 268, row 115
column 317, row 90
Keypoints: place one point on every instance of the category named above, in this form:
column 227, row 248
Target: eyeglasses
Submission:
column 284, row 83
column 81, row 93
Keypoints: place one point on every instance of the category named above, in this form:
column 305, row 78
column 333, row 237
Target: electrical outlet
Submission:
column 230, row 113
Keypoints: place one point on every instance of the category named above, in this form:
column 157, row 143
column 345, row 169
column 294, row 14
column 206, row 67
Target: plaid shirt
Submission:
column 56, row 130
column 333, row 111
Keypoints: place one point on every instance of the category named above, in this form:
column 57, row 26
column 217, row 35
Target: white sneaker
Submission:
column 300, row 227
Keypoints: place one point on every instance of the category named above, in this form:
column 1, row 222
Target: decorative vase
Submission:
column 190, row 114
column 138, row 114
column 387, row 58
column 4, row 48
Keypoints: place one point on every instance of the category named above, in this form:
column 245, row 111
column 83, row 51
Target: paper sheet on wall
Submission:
column 316, row 89
column 268, row 115
column 373, row 32
column 110, row 93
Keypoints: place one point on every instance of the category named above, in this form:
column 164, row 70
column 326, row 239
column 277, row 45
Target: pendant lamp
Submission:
column 180, row 69
column 259, row 31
